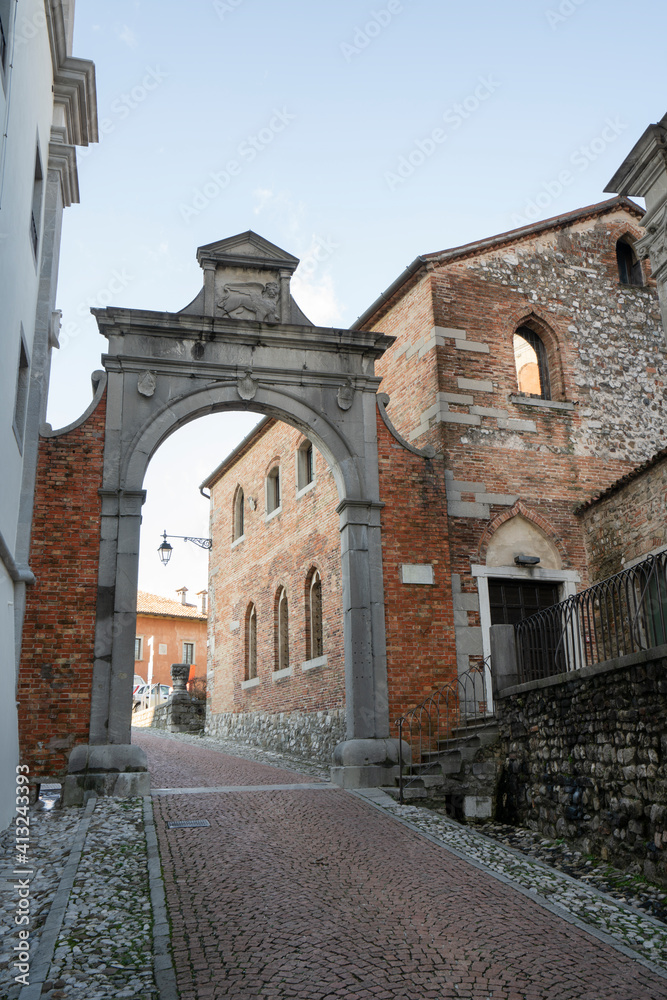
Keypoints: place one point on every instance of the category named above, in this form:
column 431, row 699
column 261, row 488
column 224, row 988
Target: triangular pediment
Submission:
column 247, row 248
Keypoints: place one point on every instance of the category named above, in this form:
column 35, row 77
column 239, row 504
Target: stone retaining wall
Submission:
column 309, row 734
column 585, row 759
column 182, row 716
column 153, row 718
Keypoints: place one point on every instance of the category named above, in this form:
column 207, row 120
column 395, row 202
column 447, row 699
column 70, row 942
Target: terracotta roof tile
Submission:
column 153, row 604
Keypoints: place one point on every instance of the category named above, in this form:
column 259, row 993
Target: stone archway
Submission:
column 242, row 343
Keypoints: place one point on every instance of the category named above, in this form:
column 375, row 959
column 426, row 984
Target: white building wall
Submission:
column 33, row 99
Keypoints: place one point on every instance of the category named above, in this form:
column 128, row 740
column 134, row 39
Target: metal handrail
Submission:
column 430, row 727
column 623, row 614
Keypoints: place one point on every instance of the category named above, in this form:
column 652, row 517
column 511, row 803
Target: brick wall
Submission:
column 419, row 617
column 628, row 523
column 278, row 551
column 55, row 676
column 506, row 453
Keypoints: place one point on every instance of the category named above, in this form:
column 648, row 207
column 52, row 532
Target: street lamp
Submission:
column 165, row 549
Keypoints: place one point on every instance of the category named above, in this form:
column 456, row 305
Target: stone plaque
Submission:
column 421, row 573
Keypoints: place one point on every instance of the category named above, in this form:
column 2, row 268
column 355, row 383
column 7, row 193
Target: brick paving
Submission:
column 314, row 894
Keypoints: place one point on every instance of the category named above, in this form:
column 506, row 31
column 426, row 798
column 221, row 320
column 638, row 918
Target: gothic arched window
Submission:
column 532, row 369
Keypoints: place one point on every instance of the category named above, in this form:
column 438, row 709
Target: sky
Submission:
column 355, row 135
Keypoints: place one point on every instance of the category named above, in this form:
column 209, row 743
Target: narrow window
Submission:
column 251, row 643
column 273, row 490
column 530, row 357
column 314, row 641
column 188, row 652
column 36, row 209
column 138, row 648
column 305, row 468
column 629, row 268
column 21, row 397
column 238, row 522
column 282, row 631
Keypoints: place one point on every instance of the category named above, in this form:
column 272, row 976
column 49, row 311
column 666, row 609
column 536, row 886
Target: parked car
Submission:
column 153, row 694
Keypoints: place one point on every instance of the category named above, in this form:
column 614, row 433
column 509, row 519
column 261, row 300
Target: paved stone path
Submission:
column 313, row 893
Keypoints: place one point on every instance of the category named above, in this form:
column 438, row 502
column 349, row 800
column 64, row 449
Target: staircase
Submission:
column 462, row 773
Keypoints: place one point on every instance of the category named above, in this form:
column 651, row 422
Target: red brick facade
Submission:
column 509, row 472
column 171, row 624
column 55, row 676
column 275, row 551
column 504, row 459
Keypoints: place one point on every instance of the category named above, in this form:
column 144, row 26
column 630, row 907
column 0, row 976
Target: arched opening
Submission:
column 251, row 643
column 238, row 517
column 532, row 366
column 273, row 490
column 629, row 267
column 313, row 614
column 281, row 661
column 305, row 465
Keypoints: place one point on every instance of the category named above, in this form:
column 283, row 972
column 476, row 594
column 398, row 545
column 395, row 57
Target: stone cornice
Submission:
column 114, row 321
column 62, row 158
column 643, row 164
column 73, row 80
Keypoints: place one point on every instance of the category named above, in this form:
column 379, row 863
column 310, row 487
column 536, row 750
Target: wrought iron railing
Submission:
column 623, row 614
column 446, row 715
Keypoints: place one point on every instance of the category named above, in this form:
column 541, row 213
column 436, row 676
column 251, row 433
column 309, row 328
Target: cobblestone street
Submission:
column 313, row 893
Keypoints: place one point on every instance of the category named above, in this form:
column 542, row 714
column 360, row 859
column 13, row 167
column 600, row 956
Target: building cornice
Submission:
column 74, row 87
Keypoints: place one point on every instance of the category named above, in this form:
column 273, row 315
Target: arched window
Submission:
column 629, row 268
column 273, row 490
column 530, row 357
column 251, row 642
column 282, row 631
column 314, row 639
column 305, row 465
column 238, row 522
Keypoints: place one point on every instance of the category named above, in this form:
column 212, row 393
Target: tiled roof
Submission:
column 153, row 604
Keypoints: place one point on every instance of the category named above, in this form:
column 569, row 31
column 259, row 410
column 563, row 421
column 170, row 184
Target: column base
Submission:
column 116, row 769
column 367, row 763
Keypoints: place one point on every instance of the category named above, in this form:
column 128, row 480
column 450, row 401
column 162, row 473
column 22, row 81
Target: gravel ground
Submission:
column 105, row 947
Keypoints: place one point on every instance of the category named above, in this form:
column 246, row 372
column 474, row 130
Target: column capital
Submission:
column 359, row 511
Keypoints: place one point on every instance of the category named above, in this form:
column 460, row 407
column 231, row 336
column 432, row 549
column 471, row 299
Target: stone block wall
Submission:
column 307, row 734
column 55, row 677
column 586, row 759
column 628, row 521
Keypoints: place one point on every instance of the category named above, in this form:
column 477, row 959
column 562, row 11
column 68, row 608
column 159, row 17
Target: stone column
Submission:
column 284, row 296
column 209, row 287
column 368, row 757
column 109, row 764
